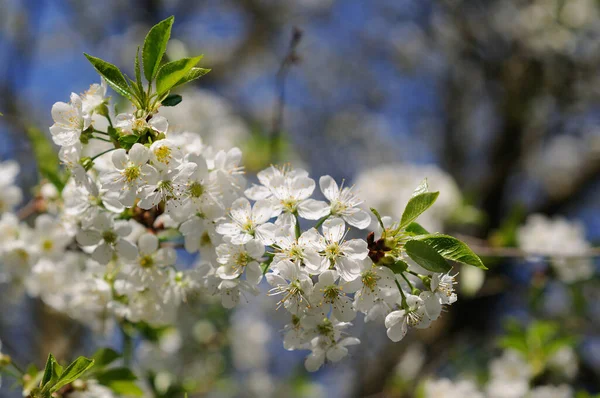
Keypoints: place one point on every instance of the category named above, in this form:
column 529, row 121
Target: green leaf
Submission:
column 416, row 229
column 51, row 371
column 378, row 217
column 193, row 74
column 46, row 157
column 138, row 73
column 105, row 356
column 115, row 374
column 452, row 249
column 127, row 141
column 426, row 256
column 126, row 388
column 155, row 46
column 111, row 74
column 416, row 206
column 398, row 267
column 172, row 100
column 171, row 73
column 72, row 372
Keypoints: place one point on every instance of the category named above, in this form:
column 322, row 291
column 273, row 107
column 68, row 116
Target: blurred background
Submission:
column 497, row 102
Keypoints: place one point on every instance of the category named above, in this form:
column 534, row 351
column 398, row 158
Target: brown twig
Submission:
column 290, row 59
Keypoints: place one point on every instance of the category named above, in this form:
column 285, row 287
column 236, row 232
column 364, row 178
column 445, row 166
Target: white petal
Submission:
column 262, row 211
column 123, row 228
column 147, row 244
column 311, row 209
column 394, row 317
column 314, row 361
column 348, row 268
column 359, row 219
column 329, row 188
column 138, row 154
column 119, row 158
column 397, row 332
column 159, row 123
column 103, row 253
column 333, row 229
column 88, row 238
column 257, row 192
column 355, row 249
column 253, row 273
column 126, row 249
column 241, row 210
column 343, row 309
column 336, row 353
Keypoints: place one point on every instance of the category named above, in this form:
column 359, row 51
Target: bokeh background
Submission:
column 497, row 101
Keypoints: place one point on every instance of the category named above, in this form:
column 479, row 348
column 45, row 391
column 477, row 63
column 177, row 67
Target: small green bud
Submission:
column 102, row 109
column 415, row 291
column 426, row 281
column 87, row 163
column 5, row 360
column 387, row 260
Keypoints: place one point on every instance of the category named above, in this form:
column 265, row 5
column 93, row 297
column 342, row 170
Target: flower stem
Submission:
column 102, row 153
column 410, row 285
column 322, row 220
column 298, row 232
column 404, row 305
column 101, row 139
column 100, row 132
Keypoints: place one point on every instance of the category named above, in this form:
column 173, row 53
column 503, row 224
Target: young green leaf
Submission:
column 426, row 256
column 111, row 74
column 138, row 73
column 155, row 46
column 104, row 357
column 416, row 229
column 193, row 74
column 398, row 267
column 172, row 100
column 51, row 371
column 171, row 73
column 452, row 249
column 46, row 158
column 127, row 141
column 125, row 388
column 416, row 206
column 72, row 372
column 121, row 374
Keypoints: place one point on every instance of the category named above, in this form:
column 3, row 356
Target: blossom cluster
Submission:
column 510, row 376
column 105, row 243
column 103, row 247
column 562, row 241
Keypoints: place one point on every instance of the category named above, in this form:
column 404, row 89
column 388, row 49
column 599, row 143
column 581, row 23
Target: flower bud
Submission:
column 5, row 360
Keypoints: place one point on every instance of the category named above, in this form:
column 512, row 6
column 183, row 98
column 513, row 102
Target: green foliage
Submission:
column 120, row 380
column 127, row 141
column 46, row 158
column 452, row 249
column 193, row 74
column 172, row 100
column 426, row 256
column 55, row 376
column 113, row 76
column 155, row 46
column 165, row 77
column 171, row 73
column 104, row 357
column 416, row 229
column 537, row 342
column 398, row 267
column 416, row 206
